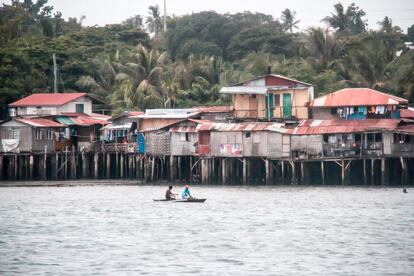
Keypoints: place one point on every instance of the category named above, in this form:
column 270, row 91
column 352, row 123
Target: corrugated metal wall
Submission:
column 180, row 147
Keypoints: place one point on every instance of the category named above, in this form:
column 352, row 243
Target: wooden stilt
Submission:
column 66, row 164
column 84, row 166
column 293, row 179
column 403, row 173
column 244, row 171
column 267, row 168
column 372, row 171
column 44, row 174
column 1, row 167
column 122, row 165
column 343, row 173
column 96, row 165
column 153, row 169
column 302, row 172
column 323, row 172
column 223, row 171
column 383, row 180
column 191, row 170
column 365, row 171
column 282, row 173
column 31, row 164
column 15, row 167
column 108, row 165
column 53, row 166
column 172, row 164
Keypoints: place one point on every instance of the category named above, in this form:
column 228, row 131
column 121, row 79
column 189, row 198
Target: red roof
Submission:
column 406, row 129
column 275, row 80
column 317, row 127
column 39, row 122
column 135, row 113
column 407, row 113
column 357, row 97
column 47, row 99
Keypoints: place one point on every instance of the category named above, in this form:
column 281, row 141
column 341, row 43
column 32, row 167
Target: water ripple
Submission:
column 106, row 230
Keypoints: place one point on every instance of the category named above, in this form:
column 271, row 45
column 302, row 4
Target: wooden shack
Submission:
column 121, row 134
column 357, row 104
column 32, row 135
column 343, row 138
column 270, row 97
column 268, row 140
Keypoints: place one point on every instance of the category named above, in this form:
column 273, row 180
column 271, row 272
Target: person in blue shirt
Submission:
column 186, row 193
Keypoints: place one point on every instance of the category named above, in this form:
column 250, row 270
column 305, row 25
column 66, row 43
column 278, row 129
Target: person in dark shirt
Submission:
column 169, row 195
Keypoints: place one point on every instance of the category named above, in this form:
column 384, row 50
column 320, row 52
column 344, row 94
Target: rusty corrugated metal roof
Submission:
column 244, row 127
column 39, row 122
column 407, row 113
column 356, row 97
column 314, row 127
column 183, row 129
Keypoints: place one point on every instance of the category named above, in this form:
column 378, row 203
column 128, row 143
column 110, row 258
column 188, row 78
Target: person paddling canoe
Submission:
column 169, row 195
column 186, row 193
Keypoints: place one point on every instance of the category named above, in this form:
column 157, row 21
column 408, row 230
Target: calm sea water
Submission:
column 119, row 230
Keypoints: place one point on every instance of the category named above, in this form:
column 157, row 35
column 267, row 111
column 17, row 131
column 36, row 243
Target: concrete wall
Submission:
column 183, row 148
column 71, row 107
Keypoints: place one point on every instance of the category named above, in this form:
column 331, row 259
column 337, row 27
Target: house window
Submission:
column 334, row 111
column 248, row 135
column 14, row 133
column 49, row 134
column 253, row 96
column 38, row 134
column 277, row 100
column 79, row 108
column 185, row 137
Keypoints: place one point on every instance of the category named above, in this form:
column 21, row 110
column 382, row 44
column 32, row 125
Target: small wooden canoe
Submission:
column 193, row 200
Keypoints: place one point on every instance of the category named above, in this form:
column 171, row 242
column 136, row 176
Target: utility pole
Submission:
column 165, row 15
column 55, row 74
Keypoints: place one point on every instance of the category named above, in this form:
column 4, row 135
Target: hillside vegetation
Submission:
column 136, row 65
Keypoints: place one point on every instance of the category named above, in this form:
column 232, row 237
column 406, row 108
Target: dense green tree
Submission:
column 323, row 47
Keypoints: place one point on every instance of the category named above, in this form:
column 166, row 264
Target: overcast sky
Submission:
column 310, row 12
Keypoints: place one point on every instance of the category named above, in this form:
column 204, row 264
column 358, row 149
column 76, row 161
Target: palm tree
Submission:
column 369, row 61
column 154, row 20
column 347, row 21
column 104, row 80
column 288, row 20
column 323, row 46
column 141, row 78
column 387, row 27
